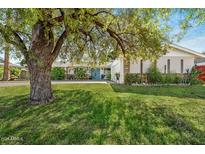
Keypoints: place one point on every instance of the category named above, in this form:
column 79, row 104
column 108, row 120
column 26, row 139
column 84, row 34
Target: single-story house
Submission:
column 100, row 72
column 200, row 62
column 176, row 60
column 24, row 72
column 10, row 64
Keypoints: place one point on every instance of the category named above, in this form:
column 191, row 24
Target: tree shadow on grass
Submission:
column 160, row 125
column 70, row 119
column 172, row 91
column 188, row 133
column 85, row 117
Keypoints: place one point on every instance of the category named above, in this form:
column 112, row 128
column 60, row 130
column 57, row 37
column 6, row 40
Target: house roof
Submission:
column 200, row 55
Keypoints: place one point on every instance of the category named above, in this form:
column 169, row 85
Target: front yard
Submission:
column 104, row 114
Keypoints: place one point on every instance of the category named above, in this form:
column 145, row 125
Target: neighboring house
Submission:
column 95, row 73
column 200, row 62
column 10, row 64
column 177, row 60
column 24, row 72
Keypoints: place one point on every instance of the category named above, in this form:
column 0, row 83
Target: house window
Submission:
column 182, row 66
column 141, row 66
column 168, row 66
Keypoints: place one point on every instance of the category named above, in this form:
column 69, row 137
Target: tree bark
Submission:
column 6, row 74
column 39, row 64
column 40, row 86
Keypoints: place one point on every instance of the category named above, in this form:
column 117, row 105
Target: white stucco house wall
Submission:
column 177, row 60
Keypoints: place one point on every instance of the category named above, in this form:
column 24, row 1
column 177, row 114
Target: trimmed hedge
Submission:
column 57, row 73
column 80, row 73
column 131, row 78
column 154, row 76
column 171, row 78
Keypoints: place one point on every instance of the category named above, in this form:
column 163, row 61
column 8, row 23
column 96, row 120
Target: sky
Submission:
column 193, row 39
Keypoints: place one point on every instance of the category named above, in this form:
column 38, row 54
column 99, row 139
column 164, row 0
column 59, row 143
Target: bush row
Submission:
column 14, row 72
column 154, row 76
column 80, row 73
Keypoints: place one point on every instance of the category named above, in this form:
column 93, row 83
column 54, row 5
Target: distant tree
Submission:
column 6, row 72
column 43, row 34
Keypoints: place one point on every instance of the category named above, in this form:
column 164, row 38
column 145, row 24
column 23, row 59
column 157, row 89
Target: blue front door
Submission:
column 95, row 74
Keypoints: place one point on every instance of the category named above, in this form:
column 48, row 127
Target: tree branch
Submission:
column 100, row 12
column 7, row 33
column 87, row 34
column 114, row 35
column 58, row 46
column 58, row 19
column 22, row 44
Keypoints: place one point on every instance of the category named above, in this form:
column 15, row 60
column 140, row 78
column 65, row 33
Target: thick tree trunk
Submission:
column 39, row 65
column 41, row 56
column 6, row 74
column 40, row 86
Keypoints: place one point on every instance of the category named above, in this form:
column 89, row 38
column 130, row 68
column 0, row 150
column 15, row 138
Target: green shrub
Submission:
column 57, row 73
column 171, row 78
column 192, row 77
column 131, row 78
column 177, row 79
column 166, row 79
column 80, row 73
column 154, row 75
column 15, row 72
column 1, row 72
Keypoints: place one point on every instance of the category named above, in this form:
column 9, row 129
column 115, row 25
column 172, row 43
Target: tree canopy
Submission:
column 92, row 35
column 95, row 34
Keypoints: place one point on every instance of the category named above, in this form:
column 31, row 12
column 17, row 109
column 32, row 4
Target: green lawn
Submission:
column 105, row 114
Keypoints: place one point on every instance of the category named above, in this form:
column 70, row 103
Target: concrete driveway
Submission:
column 22, row 83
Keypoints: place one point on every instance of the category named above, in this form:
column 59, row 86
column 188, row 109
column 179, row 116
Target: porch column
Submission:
column 126, row 66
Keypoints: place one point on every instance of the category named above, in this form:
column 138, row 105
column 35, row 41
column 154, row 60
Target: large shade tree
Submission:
column 43, row 34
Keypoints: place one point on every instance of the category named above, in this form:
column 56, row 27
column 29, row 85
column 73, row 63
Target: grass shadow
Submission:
column 89, row 117
column 171, row 91
column 70, row 119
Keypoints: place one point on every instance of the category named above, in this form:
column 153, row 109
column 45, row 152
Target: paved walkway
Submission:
column 21, row 83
